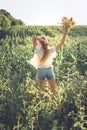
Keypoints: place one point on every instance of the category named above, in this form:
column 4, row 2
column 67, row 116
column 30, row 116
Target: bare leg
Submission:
column 41, row 82
column 52, row 85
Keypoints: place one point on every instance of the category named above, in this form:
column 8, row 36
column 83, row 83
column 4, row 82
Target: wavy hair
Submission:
column 46, row 50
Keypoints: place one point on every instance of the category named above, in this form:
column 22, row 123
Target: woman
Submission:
column 42, row 60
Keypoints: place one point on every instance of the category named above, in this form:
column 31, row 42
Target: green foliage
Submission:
column 21, row 34
column 82, row 57
column 26, row 106
column 79, row 31
column 18, row 34
column 6, row 20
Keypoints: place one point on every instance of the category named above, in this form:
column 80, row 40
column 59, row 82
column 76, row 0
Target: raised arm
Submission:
column 58, row 46
column 37, row 38
column 34, row 39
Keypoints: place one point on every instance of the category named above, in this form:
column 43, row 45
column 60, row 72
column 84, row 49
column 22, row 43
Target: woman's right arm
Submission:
column 37, row 38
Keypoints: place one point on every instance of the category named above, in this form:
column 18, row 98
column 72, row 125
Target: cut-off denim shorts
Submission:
column 45, row 73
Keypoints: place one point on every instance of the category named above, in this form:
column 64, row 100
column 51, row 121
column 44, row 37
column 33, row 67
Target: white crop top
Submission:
column 38, row 53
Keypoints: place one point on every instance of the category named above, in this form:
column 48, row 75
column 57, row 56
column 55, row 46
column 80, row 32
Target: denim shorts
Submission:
column 45, row 73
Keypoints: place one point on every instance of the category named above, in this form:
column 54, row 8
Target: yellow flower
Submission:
column 67, row 22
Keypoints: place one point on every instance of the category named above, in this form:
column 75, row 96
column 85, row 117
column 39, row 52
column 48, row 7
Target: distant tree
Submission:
column 6, row 20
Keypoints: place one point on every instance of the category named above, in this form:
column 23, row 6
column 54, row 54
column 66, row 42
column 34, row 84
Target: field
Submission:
column 26, row 106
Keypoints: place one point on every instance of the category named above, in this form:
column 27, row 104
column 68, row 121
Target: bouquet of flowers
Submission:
column 67, row 22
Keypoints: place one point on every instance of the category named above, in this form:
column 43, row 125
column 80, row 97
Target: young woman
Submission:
column 43, row 57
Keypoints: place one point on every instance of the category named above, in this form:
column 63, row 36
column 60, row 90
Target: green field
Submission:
column 26, row 106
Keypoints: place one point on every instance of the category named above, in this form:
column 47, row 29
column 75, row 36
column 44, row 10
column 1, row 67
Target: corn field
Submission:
column 26, row 106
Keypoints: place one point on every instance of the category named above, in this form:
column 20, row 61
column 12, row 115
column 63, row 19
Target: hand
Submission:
column 67, row 23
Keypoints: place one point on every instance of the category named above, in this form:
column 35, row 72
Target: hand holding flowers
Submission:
column 67, row 23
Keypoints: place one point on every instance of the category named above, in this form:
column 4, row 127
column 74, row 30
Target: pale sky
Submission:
column 46, row 12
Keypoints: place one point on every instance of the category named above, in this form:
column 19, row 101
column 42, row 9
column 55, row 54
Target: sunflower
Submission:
column 67, row 22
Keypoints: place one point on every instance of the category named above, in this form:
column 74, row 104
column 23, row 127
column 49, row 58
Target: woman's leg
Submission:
column 40, row 76
column 52, row 84
column 49, row 74
column 41, row 82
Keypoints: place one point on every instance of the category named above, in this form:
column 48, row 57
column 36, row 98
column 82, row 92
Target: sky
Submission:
column 46, row 12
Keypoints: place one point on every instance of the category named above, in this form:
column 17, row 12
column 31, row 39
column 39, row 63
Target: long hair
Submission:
column 46, row 50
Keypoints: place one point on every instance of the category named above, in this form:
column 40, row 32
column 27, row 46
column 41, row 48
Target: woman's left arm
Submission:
column 58, row 46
